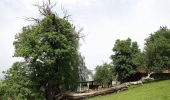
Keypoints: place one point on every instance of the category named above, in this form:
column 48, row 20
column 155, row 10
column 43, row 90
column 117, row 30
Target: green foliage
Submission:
column 157, row 50
column 104, row 74
column 2, row 89
column 50, row 48
column 126, row 58
column 140, row 61
column 84, row 73
column 17, row 84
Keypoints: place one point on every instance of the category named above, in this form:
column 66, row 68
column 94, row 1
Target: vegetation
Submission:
column 150, row 91
column 50, row 49
column 84, row 73
column 157, row 50
column 125, row 59
column 2, row 89
column 52, row 63
column 17, row 84
column 104, row 74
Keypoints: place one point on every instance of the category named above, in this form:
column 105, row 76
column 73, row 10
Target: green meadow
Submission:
column 159, row 90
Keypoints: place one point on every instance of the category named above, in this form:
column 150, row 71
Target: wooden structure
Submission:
column 87, row 84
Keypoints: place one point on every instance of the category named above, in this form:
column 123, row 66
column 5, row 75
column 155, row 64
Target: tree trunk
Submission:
column 49, row 92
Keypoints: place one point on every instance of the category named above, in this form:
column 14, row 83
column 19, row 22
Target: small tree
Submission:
column 124, row 59
column 104, row 74
column 18, row 85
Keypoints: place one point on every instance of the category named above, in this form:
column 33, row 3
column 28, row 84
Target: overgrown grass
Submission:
column 159, row 90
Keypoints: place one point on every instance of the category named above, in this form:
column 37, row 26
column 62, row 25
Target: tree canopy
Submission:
column 18, row 85
column 50, row 47
column 125, row 58
column 84, row 73
column 157, row 50
column 104, row 74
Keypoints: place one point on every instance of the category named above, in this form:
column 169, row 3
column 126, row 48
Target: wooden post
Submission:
column 80, row 86
column 88, row 85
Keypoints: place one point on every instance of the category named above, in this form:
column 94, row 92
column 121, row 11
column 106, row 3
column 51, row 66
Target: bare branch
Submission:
column 80, row 34
column 32, row 19
column 65, row 12
column 46, row 8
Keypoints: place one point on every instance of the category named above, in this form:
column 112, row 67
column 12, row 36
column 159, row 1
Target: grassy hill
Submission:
column 159, row 90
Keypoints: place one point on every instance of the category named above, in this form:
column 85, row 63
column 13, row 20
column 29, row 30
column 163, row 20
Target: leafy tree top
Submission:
column 50, row 47
column 104, row 74
column 157, row 50
column 125, row 58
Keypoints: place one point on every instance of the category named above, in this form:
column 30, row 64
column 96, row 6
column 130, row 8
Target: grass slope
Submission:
column 151, row 91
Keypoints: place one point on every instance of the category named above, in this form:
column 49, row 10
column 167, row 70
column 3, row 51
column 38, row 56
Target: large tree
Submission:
column 124, row 59
column 157, row 50
column 50, row 47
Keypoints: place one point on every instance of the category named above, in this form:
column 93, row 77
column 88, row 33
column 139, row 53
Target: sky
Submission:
column 103, row 22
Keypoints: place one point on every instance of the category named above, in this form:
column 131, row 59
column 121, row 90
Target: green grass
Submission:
column 159, row 90
column 1, row 83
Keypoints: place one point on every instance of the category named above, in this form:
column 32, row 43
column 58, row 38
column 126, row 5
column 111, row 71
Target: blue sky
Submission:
column 103, row 22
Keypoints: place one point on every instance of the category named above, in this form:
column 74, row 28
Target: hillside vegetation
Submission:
column 150, row 91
